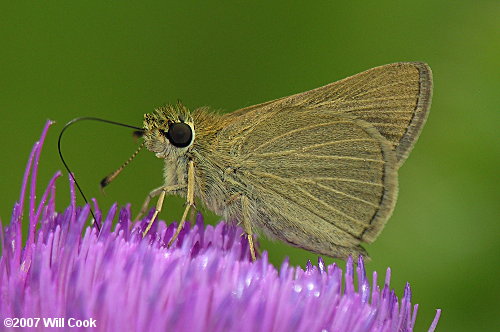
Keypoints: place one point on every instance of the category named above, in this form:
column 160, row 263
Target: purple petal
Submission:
column 205, row 282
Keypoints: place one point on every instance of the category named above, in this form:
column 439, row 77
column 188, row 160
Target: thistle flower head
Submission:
column 206, row 282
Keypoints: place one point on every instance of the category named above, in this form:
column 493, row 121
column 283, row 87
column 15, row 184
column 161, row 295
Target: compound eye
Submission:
column 180, row 134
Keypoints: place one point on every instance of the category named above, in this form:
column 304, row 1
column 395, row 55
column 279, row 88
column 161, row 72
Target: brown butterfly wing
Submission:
column 394, row 98
column 317, row 179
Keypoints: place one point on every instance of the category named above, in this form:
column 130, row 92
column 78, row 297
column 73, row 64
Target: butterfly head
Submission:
column 169, row 131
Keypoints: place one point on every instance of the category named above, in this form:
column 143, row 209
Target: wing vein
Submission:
column 313, row 146
column 265, row 174
column 294, row 131
column 267, row 188
column 313, row 156
column 357, row 101
column 382, row 87
column 327, row 178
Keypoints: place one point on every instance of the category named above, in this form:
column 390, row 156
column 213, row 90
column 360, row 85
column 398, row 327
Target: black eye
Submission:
column 179, row 134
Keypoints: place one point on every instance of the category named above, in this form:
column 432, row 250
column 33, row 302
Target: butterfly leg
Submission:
column 162, row 191
column 190, row 202
column 153, row 193
column 247, row 226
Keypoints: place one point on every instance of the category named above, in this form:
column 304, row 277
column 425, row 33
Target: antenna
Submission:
column 107, row 180
column 136, row 133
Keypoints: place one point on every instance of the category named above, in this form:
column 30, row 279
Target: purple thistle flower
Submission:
column 206, row 282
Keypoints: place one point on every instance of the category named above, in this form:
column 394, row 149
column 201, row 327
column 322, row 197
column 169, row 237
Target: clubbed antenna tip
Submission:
column 107, row 180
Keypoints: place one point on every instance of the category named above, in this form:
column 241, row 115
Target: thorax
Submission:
column 175, row 171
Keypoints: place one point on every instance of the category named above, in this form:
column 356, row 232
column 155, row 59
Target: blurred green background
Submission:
column 118, row 60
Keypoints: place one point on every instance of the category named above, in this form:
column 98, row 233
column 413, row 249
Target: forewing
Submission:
column 317, row 179
column 394, row 98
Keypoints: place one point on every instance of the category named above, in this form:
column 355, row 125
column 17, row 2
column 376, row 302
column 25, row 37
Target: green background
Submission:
column 118, row 60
